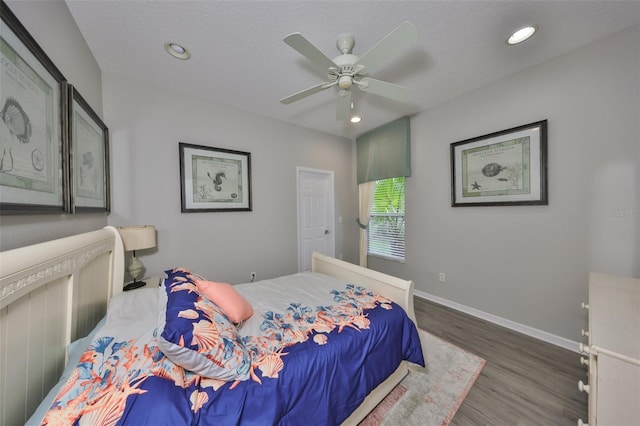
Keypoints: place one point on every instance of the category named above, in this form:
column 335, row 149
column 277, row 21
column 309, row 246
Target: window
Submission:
column 386, row 220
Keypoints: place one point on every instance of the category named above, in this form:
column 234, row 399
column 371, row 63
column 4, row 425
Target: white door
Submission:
column 315, row 215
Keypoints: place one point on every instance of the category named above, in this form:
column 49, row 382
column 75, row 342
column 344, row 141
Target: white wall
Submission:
column 53, row 28
column 146, row 124
column 530, row 264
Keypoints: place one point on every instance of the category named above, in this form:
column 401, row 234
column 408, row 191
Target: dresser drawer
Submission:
column 616, row 392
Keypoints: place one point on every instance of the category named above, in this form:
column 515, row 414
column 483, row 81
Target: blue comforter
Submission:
column 310, row 365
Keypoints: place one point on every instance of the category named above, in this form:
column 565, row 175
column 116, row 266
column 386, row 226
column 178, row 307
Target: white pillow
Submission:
column 136, row 310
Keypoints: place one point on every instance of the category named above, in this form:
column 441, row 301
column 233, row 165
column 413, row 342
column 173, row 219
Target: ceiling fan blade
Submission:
column 343, row 106
column 308, row 50
column 382, row 88
column 403, row 37
column 304, row 93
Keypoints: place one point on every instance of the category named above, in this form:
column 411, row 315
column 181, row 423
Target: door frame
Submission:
column 332, row 222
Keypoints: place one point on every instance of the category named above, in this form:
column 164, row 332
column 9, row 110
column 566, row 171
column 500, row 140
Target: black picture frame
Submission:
column 214, row 179
column 88, row 147
column 33, row 162
column 504, row 168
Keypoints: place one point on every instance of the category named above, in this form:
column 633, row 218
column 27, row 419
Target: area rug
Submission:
column 430, row 396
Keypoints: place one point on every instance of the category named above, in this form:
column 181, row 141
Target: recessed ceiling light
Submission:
column 177, row 51
column 355, row 119
column 521, row 35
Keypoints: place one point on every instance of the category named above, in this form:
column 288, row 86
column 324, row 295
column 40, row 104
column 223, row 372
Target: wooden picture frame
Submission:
column 33, row 166
column 214, row 179
column 504, row 168
column 88, row 155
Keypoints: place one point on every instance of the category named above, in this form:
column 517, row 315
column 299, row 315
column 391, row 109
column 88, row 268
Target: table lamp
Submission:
column 137, row 238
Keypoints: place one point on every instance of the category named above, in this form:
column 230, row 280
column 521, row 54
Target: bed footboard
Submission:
column 396, row 289
column 50, row 294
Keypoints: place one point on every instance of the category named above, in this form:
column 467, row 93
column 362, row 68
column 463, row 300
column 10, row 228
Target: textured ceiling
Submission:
column 239, row 58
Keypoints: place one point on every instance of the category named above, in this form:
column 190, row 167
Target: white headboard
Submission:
column 50, row 294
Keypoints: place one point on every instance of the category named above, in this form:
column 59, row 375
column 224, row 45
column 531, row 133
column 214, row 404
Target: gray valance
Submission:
column 384, row 152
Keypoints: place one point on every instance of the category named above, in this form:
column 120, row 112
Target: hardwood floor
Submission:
column 525, row 382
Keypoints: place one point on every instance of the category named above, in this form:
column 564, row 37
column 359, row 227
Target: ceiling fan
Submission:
column 348, row 70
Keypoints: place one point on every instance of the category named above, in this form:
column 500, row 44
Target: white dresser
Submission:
column 613, row 351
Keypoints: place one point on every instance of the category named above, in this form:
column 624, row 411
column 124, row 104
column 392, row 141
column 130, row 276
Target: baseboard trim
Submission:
column 512, row 325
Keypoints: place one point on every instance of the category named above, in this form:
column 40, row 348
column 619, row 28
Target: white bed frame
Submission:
column 55, row 292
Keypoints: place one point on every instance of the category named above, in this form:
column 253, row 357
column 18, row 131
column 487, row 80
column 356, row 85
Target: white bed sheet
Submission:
column 307, row 288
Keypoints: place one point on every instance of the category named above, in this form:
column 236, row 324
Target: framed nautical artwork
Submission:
column 508, row 167
column 33, row 166
column 214, row 179
column 89, row 156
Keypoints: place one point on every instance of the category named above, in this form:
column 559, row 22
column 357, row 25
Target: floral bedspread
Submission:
column 310, row 364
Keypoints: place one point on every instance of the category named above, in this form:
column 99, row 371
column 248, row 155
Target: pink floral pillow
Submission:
column 235, row 307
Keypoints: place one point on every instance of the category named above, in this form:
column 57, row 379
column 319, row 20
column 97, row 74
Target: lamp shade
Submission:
column 138, row 237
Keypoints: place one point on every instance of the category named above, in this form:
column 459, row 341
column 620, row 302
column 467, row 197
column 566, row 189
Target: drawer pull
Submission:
column 582, row 387
column 585, row 305
column 584, row 348
column 584, row 361
column 584, row 333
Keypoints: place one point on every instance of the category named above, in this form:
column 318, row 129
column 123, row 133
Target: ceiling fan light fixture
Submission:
column 522, row 34
column 345, row 82
column 345, row 43
column 355, row 119
column 177, row 51
column 348, row 69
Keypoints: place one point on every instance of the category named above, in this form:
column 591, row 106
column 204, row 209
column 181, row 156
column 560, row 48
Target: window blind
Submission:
column 386, row 220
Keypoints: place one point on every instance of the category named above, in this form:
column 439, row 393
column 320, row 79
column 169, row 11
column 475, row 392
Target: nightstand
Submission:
column 150, row 282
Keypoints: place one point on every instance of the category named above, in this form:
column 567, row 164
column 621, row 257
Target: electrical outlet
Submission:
column 442, row 277
column 252, row 276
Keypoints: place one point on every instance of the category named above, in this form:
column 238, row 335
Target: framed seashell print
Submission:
column 33, row 167
column 88, row 148
column 508, row 167
column 214, row 179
